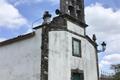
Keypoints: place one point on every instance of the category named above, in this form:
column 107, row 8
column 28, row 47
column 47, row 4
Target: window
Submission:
column 71, row 11
column 79, row 14
column 76, row 47
column 77, row 76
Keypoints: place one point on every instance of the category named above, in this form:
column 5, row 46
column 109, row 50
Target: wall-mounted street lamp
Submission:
column 103, row 44
column 103, row 47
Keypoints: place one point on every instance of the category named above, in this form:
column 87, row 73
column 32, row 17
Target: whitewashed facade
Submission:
column 61, row 60
column 21, row 60
column 56, row 50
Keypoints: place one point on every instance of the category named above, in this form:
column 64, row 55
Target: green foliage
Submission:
column 116, row 69
column 116, row 76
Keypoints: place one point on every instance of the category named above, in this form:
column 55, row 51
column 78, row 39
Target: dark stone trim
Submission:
column 19, row 38
column 40, row 26
column 61, row 21
column 91, row 41
column 97, row 63
column 44, row 53
column 77, row 71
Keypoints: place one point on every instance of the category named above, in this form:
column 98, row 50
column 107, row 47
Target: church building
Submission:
column 58, row 49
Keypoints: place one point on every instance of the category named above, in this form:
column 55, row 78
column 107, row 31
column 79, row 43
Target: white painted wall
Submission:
column 21, row 60
column 61, row 61
column 90, row 65
column 75, row 28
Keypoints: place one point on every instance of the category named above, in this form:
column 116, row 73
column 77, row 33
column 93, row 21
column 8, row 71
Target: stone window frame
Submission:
column 80, row 49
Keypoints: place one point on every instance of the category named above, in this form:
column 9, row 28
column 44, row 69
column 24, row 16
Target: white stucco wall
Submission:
column 59, row 64
column 75, row 28
column 21, row 60
column 61, row 61
column 90, row 65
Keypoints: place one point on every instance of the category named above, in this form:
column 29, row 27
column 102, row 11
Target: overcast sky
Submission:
column 102, row 16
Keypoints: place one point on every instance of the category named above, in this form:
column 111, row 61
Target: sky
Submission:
column 102, row 16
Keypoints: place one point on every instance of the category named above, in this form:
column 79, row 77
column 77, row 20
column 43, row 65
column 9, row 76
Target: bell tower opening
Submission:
column 71, row 11
column 74, row 8
column 78, row 14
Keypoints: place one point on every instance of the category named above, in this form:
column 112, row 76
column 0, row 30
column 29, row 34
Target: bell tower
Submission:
column 74, row 8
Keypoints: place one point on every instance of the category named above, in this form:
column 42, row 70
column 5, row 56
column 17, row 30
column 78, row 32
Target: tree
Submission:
column 116, row 69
